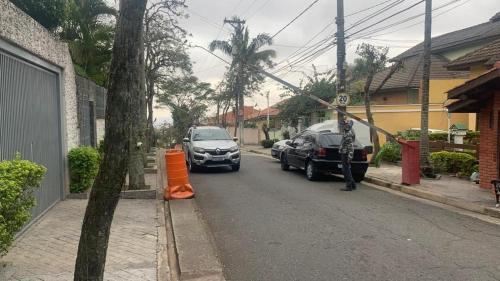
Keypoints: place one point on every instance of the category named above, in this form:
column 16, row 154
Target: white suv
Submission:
column 210, row 146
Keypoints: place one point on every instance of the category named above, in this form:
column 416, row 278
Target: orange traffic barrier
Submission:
column 177, row 176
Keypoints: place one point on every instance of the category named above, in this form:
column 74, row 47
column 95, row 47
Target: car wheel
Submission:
column 236, row 167
column 190, row 165
column 358, row 177
column 311, row 171
column 284, row 163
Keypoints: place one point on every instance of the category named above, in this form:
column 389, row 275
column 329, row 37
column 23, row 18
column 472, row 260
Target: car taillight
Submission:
column 321, row 152
column 364, row 155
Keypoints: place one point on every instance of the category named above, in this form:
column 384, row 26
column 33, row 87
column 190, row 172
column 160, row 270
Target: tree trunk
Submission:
column 137, row 160
column 124, row 83
column 373, row 132
column 150, row 139
column 424, row 126
column 367, row 99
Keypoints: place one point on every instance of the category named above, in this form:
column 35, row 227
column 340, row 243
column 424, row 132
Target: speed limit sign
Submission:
column 342, row 99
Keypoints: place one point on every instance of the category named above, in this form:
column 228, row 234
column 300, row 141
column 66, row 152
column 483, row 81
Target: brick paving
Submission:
column 47, row 251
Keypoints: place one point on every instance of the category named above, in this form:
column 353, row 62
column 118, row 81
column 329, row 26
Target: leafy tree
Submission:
column 321, row 85
column 49, row 13
column 124, row 88
column 165, row 51
column 244, row 78
column 373, row 60
column 188, row 100
column 89, row 31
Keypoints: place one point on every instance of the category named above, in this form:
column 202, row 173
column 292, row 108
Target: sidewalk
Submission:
column 47, row 251
column 256, row 149
column 448, row 190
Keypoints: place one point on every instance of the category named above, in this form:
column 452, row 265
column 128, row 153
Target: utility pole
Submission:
column 424, row 124
column 240, row 98
column 341, row 84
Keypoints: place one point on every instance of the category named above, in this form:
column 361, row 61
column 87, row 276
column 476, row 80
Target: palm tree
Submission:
column 244, row 77
column 90, row 37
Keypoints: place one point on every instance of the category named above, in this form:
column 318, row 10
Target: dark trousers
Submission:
column 346, row 170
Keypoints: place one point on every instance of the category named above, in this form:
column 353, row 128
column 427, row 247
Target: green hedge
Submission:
column 415, row 135
column 18, row 180
column 83, row 168
column 389, row 152
column 268, row 143
column 453, row 162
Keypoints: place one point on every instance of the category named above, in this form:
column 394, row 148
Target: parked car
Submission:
column 278, row 148
column 208, row 146
column 317, row 152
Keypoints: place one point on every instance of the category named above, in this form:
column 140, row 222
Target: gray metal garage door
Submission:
column 30, row 122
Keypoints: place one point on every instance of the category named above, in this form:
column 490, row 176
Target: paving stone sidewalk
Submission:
column 448, row 186
column 47, row 251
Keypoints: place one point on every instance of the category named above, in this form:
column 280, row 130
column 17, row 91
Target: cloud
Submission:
column 205, row 23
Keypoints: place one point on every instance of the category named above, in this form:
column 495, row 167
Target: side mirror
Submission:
column 235, row 139
column 368, row 149
column 185, row 140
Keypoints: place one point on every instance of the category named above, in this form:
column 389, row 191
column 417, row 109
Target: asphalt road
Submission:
column 274, row 225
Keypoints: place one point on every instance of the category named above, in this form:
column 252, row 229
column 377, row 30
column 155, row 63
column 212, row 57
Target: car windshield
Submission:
column 331, row 139
column 210, row 134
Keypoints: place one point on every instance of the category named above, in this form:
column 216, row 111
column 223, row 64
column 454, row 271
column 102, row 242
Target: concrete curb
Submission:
column 127, row 194
column 432, row 196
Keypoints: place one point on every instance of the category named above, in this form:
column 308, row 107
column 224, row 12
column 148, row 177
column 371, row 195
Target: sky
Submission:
column 403, row 30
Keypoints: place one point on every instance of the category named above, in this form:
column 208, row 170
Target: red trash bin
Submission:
column 410, row 152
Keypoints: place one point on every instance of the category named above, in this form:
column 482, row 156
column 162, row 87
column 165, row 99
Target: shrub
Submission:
column 268, row 143
column 83, row 167
column 390, row 152
column 18, row 180
column 453, row 162
column 472, row 137
column 415, row 135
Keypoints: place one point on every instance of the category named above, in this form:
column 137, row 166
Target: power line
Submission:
column 314, row 47
column 298, row 51
column 258, row 9
column 376, row 13
column 384, row 19
column 248, row 7
column 298, row 16
column 367, row 9
column 372, row 33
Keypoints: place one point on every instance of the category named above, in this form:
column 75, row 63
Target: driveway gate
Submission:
column 30, row 121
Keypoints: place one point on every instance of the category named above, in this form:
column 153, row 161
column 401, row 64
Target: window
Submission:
column 299, row 141
column 210, row 134
column 309, row 139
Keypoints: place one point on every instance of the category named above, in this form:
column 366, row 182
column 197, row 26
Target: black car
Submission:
column 318, row 153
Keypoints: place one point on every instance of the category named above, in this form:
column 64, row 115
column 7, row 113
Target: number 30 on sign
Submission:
column 342, row 99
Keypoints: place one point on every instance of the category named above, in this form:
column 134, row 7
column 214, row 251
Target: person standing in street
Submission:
column 347, row 153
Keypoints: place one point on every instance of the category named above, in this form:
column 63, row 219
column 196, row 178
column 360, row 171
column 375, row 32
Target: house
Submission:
column 39, row 104
column 259, row 118
column 42, row 115
column 229, row 119
column 399, row 99
column 481, row 95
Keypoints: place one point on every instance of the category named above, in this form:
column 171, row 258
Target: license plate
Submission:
column 218, row 158
column 339, row 166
